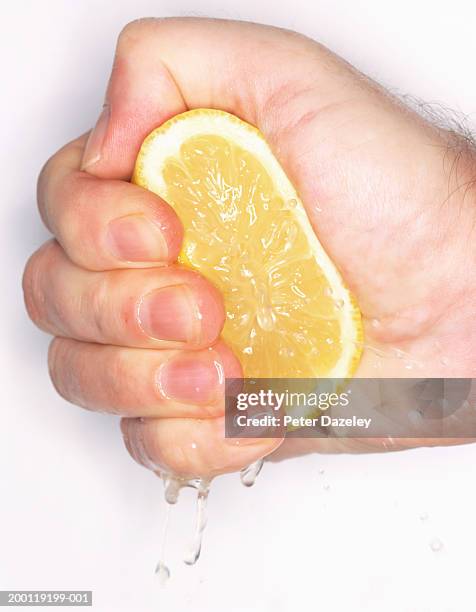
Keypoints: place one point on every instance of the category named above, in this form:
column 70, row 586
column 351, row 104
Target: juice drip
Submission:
column 162, row 571
column 196, row 546
column 249, row 474
column 172, row 487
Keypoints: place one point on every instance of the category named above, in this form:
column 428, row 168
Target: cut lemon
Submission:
column 246, row 230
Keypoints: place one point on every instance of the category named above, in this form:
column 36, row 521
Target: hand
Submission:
column 389, row 195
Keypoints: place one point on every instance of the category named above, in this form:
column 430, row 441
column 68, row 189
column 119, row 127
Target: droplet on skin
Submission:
column 424, row 516
column 292, row 203
column 375, row 323
column 436, row 545
column 322, row 471
column 444, row 361
column 327, row 487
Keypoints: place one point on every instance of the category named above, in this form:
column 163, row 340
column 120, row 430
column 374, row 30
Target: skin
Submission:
column 389, row 195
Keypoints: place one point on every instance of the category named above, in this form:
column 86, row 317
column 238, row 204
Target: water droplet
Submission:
column 322, row 471
column 328, row 292
column 329, row 341
column 339, row 304
column 327, row 487
column 248, row 350
column 424, row 516
column 249, row 474
column 292, row 203
column 444, row 361
column 409, row 366
column 436, row 545
column 141, row 420
column 163, row 573
column 317, row 208
column 375, row 323
column 172, row 488
column 399, row 354
column 194, row 445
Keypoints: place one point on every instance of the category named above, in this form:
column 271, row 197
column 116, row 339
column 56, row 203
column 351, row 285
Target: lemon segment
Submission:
column 289, row 314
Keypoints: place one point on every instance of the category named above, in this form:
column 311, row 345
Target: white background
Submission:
column 75, row 511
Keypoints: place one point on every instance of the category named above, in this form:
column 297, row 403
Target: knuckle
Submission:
column 137, row 436
column 113, row 317
column 134, row 31
column 95, row 301
column 53, row 185
column 41, row 193
column 56, row 358
column 68, row 370
column 73, row 191
column 78, row 196
column 122, row 384
column 34, row 289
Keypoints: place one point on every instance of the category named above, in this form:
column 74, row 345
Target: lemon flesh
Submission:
column 246, row 230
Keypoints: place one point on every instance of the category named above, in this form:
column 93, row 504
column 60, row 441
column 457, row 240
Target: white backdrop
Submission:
column 75, row 511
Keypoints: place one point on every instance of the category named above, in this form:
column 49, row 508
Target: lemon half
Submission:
column 288, row 311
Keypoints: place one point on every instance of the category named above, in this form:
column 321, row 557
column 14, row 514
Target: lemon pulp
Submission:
column 288, row 313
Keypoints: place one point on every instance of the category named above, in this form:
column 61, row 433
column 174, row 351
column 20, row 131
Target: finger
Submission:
column 156, row 77
column 168, row 307
column 191, row 447
column 142, row 383
column 105, row 224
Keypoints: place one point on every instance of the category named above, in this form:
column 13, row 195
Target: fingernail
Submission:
column 93, row 149
column 136, row 238
column 170, row 313
column 191, row 379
